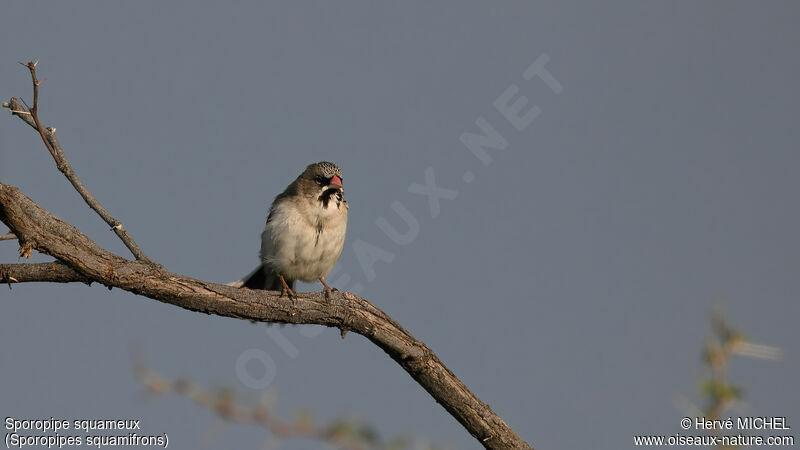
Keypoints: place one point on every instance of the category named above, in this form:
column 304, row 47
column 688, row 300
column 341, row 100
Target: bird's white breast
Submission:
column 303, row 240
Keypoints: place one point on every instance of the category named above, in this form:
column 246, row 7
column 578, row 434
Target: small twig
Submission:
column 31, row 117
column 8, row 236
column 223, row 402
column 719, row 392
column 34, row 110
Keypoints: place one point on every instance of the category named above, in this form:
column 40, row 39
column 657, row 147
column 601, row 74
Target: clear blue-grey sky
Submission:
column 567, row 282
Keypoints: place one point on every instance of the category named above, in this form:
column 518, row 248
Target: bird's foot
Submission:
column 327, row 289
column 287, row 290
column 289, row 293
column 328, row 292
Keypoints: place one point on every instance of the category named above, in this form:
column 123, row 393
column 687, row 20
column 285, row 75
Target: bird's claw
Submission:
column 289, row 293
column 327, row 289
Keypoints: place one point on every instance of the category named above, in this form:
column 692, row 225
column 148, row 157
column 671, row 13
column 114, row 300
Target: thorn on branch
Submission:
column 25, row 250
column 4, row 276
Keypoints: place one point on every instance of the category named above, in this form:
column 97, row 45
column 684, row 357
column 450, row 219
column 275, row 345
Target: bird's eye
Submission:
column 321, row 180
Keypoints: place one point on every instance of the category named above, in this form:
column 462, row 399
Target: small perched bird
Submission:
column 305, row 232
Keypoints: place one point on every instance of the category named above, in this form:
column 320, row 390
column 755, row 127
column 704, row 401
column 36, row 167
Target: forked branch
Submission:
column 79, row 259
column 31, row 117
column 82, row 260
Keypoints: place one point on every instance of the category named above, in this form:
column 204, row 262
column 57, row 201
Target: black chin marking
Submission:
column 326, row 196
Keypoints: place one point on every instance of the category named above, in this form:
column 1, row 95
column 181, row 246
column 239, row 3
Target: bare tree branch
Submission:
column 52, row 272
column 8, row 236
column 37, row 229
column 34, row 110
column 31, row 117
column 82, row 260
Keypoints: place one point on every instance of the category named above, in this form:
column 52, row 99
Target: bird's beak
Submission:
column 335, row 182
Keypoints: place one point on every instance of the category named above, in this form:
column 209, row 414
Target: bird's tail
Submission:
column 262, row 278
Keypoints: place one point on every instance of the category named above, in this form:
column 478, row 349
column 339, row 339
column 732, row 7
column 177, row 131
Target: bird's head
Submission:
column 322, row 181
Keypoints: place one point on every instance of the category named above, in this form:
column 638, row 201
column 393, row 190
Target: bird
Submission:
column 304, row 234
